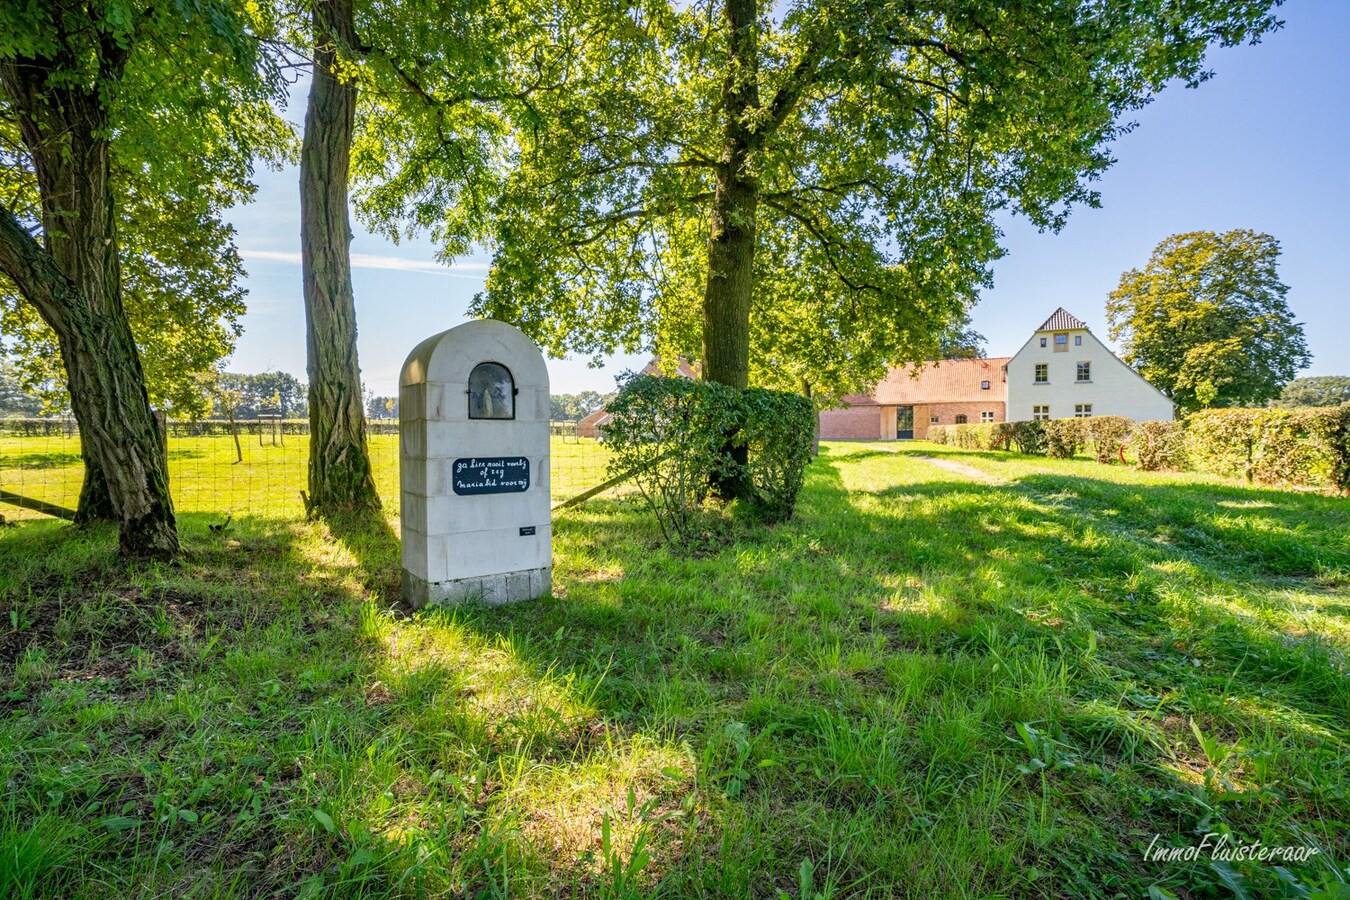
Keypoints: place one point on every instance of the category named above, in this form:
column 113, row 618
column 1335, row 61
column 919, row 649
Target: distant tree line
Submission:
column 575, row 407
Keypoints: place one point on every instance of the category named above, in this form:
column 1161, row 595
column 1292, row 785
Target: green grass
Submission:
column 205, row 475
column 926, row 684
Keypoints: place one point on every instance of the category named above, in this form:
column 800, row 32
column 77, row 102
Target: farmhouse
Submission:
column 1062, row 371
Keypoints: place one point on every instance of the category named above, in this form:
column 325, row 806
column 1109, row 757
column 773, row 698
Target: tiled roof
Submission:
column 594, row 418
column 945, row 381
column 1062, row 320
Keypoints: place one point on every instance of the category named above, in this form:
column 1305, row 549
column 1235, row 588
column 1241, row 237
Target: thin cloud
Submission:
column 376, row 261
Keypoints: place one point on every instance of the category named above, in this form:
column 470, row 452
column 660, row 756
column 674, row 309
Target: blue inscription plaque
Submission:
column 490, row 475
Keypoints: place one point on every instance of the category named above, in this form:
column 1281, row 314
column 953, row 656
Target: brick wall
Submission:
column 854, row 423
column 947, row 412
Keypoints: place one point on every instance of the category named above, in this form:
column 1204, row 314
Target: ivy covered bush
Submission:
column 1294, row 447
column 679, row 437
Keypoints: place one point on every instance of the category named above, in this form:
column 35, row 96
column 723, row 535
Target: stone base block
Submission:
column 486, row 590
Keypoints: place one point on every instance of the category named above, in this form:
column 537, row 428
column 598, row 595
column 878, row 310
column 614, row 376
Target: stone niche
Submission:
column 473, row 468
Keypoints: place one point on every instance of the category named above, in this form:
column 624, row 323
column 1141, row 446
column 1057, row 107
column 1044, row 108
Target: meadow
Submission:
column 206, row 474
column 952, row 674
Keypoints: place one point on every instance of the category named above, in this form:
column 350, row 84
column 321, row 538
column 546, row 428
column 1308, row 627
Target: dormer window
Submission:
column 1061, row 343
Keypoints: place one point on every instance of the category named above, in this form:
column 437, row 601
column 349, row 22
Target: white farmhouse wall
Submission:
column 1114, row 389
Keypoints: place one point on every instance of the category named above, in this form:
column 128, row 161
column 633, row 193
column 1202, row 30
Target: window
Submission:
column 1061, row 343
column 1085, row 371
column 984, row 385
column 1078, row 340
column 932, row 420
column 1082, row 410
column 1040, row 412
column 492, row 392
column 1042, row 373
column 961, row 419
column 986, row 417
column 1042, row 342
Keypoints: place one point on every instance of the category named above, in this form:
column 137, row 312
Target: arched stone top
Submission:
column 449, row 357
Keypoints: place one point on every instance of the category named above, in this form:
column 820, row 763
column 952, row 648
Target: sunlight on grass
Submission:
column 923, row 684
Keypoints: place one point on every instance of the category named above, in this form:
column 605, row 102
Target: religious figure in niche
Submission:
column 492, row 392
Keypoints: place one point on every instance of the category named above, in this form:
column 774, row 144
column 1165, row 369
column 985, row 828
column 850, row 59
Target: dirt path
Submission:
column 951, row 465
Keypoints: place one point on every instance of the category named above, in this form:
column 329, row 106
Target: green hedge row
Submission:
column 681, row 437
column 1289, row 447
column 1307, row 447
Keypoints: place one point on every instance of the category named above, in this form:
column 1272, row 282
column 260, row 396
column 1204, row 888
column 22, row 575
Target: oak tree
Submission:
column 1207, row 321
column 726, row 172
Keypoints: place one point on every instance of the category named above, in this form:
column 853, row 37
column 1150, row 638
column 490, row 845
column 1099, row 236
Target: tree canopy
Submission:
column 815, row 183
column 181, row 271
column 1207, row 321
column 1317, row 390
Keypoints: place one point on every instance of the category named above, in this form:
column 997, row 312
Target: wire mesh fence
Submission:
column 256, row 468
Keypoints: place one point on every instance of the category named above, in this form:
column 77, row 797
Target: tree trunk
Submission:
column 731, row 232
column 731, row 241
column 339, row 464
column 75, row 284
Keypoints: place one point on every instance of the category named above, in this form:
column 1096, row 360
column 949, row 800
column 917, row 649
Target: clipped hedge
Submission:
column 1288, row 447
column 1295, row 447
column 1104, row 436
column 1158, row 445
column 680, row 436
column 1063, row 437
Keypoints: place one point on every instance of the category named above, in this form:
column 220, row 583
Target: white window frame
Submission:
column 986, row 417
column 1041, row 369
column 1082, row 410
column 1040, row 412
column 1084, row 367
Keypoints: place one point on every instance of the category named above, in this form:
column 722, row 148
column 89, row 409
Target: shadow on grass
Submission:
column 840, row 690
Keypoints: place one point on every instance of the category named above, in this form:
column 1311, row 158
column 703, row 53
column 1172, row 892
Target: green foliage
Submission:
column 1302, row 447
column 678, row 434
column 1029, row 436
column 271, row 393
column 1320, row 390
column 16, row 400
column 183, row 153
column 778, row 430
column 881, row 143
column 977, row 436
column 1207, row 322
column 1063, row 437
column 1105, row 435
column 1158, row 446
column 575, row 407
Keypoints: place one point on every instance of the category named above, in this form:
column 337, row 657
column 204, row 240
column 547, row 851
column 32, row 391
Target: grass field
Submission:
column 953, row 674
column 205, row 475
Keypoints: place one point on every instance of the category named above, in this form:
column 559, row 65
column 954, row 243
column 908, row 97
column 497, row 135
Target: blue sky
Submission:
column 1262, row 145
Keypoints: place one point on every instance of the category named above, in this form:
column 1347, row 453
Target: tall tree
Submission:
column 1207, row 321
column 875, row 143
column 340, row 476
column 83, row 85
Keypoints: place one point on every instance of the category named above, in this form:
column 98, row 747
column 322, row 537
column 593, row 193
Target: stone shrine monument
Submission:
column 473, row 467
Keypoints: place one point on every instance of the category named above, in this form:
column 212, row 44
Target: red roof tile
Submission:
column 945, row 381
